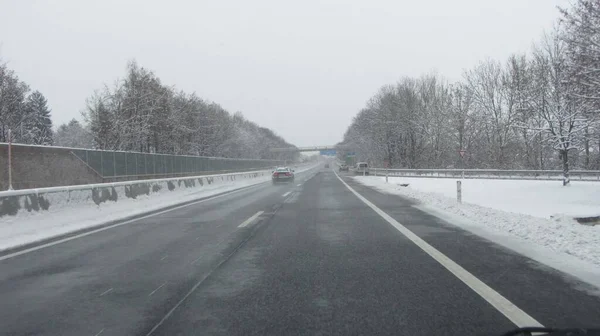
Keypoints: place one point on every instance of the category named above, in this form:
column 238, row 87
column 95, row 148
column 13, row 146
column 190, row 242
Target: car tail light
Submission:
column 288, row 174
column 275, row 174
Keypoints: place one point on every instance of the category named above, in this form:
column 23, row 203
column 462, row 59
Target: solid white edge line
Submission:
column 39, row 247
column 299, row 185
column 503, row 305
column 287, row 193
column 251, row 219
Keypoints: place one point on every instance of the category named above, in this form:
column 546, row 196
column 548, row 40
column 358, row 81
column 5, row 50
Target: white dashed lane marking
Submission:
column 251, row 219
column 106, row 292
column 159, row 287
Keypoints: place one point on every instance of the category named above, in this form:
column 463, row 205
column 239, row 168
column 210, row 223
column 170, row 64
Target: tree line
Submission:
column 538, row 110
column 137, row 113
column 26, row 114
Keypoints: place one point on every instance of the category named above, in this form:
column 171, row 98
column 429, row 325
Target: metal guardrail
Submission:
column 498, row 174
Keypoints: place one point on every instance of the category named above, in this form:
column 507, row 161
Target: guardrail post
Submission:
column 459, row 191
column 10, row 187
column 387, row 172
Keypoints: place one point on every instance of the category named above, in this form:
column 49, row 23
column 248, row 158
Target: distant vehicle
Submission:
column 327, row 165
column 344, row 167
column 362, row 168
column 282, row 174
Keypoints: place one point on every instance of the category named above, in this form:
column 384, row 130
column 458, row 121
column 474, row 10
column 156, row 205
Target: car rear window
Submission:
column 362, row 165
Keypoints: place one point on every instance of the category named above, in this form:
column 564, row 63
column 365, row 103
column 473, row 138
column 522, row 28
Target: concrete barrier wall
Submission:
column 12, row 203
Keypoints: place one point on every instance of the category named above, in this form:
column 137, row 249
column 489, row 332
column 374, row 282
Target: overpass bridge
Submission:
column 310, row 148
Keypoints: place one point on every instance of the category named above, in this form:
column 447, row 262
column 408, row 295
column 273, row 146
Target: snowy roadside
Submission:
column 543, row 199
column 559, row 242
column 66, row 217
column 30, row 227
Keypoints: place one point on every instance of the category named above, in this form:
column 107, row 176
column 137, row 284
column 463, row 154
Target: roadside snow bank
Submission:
column 28, row 216
column 560, row 234
column 536, row 198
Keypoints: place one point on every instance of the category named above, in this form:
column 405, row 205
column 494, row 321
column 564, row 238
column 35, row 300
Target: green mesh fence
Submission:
column 121, row 164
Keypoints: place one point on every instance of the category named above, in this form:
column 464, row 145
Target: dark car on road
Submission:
column 344, row 168
column 327, row 165
column 282, row 174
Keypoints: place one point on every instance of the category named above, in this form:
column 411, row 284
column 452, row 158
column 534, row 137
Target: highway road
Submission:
column 321, row 256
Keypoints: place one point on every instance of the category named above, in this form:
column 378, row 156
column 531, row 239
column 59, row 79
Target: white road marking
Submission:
column 159, row 287
column 106, row 292
column 163, row 258
column 299, row 185
column 507, row 308
column 251, row 219
column 197, row 259
column 198, row 237
column 39, row 247
column 100, row 332
column 287, row 193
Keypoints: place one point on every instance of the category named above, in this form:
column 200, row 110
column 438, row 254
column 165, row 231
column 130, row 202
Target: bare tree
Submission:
column 564, row 121
column 581, row 35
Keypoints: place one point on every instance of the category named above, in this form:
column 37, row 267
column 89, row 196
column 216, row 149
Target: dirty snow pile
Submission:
column 538, row 212
column 79, row 212
column 62, row 218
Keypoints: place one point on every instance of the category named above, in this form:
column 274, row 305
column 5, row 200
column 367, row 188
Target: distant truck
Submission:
column 362, row 168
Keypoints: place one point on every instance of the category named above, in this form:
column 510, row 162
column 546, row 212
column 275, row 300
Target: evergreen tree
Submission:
column 37, row 123
column 73, row 135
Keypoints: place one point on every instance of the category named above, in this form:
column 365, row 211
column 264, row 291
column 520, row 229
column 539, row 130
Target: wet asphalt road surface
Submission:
column 308, row 258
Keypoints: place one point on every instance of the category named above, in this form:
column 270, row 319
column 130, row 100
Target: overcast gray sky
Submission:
column 302, row 68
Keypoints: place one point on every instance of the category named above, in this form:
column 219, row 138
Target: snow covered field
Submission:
column 536, row 198
column 516, row 214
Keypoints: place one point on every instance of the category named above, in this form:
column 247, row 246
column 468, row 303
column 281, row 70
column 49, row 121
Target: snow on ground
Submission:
column 516, row 214
column 65, row 217
column 536, row 198
column 27, row 227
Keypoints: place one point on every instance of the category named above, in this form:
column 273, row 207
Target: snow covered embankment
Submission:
column 531, row 212
column 28, row 216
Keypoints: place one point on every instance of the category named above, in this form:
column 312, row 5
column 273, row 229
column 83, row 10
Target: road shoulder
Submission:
column 538, row 289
